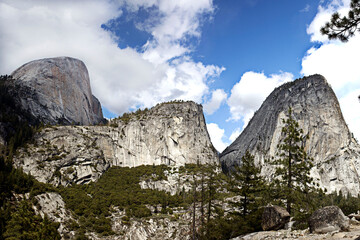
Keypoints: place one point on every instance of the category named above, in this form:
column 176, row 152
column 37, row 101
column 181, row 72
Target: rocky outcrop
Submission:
column 52, row 205
column 174, row 182
column 301, row 235
column 328, row 219
column 169, row 133
column 56, row 91
column 151, row 228
column 274, row 218
column 335, row 152
column 13, row 118
column 355, row 216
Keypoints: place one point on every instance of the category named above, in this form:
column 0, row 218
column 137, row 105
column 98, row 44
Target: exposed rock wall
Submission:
column 170, row 133
column 152, row 228
column 302, row 235
column 336, row 153
column 56, row 91
column 52, row 205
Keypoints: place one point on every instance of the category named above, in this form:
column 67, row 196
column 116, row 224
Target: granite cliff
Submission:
column 56, row 91
column 336, row 153
column 169, row 133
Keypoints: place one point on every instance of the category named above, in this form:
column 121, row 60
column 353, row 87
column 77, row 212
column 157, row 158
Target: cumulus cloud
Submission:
column 179, row 21
column 217, row 136
column 324, row 15
column 121, row 78
column 337, row 62
column 248, row 94
column 350, row 106
column 218, row 96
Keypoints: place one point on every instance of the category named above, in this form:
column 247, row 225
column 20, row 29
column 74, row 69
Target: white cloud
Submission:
column 120, row 78
column 248, row 94
column 323, row 16
column 306, row 8
column 171, row 23
column 235, row 134
column 350, row 106
column 338, row 62
column 216, row 136
column 179, row 20
column 218, row 96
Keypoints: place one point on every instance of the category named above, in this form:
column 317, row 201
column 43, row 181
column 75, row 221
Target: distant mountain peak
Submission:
column 57, row 91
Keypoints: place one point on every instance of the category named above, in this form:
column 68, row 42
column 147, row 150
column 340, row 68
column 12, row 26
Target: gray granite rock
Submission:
column 170, row 133
column 57, row 91
column 274, row 218
column 52, row 205
column 335, row 152
column 328, row 219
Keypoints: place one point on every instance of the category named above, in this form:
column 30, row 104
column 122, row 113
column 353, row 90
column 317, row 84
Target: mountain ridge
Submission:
column 172, row 133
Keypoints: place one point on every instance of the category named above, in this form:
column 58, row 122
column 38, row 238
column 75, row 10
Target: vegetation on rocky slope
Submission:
column 118, row 187
column 17, row 219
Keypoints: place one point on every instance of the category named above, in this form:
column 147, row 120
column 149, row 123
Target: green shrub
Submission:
column 119, row 186
column 138, row 211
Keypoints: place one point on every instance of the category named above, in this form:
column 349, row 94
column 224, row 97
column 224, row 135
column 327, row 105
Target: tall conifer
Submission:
column 248, row 183
column 292, row 172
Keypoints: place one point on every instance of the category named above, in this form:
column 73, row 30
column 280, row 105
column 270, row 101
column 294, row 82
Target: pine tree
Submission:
column 293, row 165
column 25, row 224
column 214, row 186
column 206, row 181
column 193, row 214
column 343, row 28
column 248, row 183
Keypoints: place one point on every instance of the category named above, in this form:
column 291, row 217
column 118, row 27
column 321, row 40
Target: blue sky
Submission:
column 225, row 54
column 241, row 36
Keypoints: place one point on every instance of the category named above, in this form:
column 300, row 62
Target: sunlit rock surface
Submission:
column 169, row 133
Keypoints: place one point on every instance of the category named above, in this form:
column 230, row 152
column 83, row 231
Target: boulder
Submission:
column 56, row 91
column 328, row 219
column 356, row 216
column 274, row 218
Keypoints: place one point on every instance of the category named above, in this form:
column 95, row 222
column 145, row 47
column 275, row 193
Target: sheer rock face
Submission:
column 170, row 133
column 57, row 91
column 52, row 205
column 335, row 152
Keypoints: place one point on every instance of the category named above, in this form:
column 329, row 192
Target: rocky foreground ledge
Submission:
column 354, row 233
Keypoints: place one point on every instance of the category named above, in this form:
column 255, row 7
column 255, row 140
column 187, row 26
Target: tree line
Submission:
column 248, row 191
